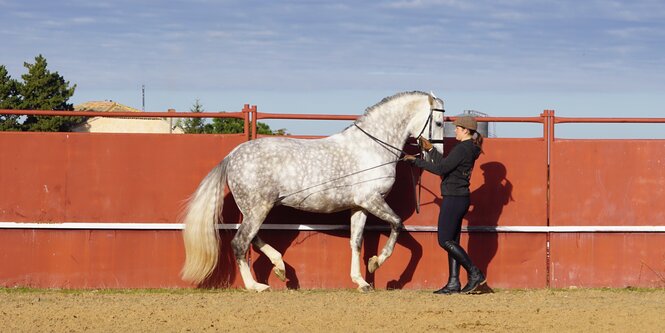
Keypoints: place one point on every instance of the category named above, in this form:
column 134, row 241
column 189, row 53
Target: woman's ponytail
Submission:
column 477, row 139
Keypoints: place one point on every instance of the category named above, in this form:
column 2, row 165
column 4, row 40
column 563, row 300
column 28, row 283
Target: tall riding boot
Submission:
column 453, row 286
column 476, row 277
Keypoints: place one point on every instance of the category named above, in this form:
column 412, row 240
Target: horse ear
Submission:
column 431, row 100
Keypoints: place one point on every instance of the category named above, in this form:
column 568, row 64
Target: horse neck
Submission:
column 387, row 124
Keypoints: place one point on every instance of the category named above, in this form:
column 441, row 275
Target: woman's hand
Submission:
column 424, row 143
column 409, row 157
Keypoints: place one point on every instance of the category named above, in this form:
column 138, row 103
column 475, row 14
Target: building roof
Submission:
column 136, row 124
column 104, row 106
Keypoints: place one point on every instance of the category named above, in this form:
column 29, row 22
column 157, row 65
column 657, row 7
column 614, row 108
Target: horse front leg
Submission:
column 378, row 207
column 358, row 219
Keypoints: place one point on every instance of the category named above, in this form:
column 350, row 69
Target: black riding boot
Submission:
column 476, row 277
column 453, row 286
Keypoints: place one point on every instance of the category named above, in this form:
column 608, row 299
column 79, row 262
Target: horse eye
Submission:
column 439, row 123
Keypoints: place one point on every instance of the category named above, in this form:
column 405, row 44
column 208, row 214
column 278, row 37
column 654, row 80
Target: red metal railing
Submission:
column 171, row 113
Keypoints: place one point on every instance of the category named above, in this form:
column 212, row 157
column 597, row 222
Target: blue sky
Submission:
column 503, row 58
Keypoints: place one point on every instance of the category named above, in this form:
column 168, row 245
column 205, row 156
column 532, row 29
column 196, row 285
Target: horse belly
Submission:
column 320, row 202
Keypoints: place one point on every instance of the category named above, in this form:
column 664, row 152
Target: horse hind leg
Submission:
column 357, row 225
column 240, row 243
column 275, row 257
column 378, row 207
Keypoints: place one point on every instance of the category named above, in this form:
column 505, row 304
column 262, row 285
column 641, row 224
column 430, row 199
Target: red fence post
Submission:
column 245, row 113
column 548, row 135
column 254, row 112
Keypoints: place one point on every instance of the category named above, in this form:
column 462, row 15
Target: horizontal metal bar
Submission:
column 125, row 114
column 563, row 120
column 310, row 116
column 332, row 227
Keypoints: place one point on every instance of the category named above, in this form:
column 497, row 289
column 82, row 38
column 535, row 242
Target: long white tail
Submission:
column 203, row 212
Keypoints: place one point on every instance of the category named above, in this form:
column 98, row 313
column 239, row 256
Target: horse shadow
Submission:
column 402, row 199
column 403, row 189
column 487, row 202
column 225, row 273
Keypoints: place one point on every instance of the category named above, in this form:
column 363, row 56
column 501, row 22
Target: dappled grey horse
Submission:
column 354, row 169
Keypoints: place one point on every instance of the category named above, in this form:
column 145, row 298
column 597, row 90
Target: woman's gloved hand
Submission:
column 424, row 143
column 409, row 158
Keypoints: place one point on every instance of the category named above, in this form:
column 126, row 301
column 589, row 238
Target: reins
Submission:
column 381, row 142
column 385, row 145
column 336, row 179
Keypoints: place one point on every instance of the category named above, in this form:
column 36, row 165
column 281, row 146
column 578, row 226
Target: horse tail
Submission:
column 201, row 215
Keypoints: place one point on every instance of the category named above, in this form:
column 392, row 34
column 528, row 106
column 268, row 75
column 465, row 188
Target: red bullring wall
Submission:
column 139, row 180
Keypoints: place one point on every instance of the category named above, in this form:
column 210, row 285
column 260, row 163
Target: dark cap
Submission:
column 466, row 122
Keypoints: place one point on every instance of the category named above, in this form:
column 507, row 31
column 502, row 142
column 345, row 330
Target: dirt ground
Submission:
column 585, row 310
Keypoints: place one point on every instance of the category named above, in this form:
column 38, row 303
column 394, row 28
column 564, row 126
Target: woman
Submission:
column 456, row 171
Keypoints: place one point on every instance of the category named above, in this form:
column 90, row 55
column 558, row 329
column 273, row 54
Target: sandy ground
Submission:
column 331, row 311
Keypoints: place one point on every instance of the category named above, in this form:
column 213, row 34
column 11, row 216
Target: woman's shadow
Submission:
column 487, row 204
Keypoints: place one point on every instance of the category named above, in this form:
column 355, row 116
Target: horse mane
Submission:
column 390, row 98
column 382, row 102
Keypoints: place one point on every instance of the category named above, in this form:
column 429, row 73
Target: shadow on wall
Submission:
column 487, row 204
column 403, row 189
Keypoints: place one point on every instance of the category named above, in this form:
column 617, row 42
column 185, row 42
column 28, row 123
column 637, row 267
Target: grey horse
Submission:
column 354, row 169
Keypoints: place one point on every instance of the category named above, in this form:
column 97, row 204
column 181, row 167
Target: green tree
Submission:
column 43, row 90
column 220, row 125
column 9, row 99
column 193, row 125
column 227, row 125
column 235, row 125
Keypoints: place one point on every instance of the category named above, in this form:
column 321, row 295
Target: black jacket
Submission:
column 455, row 168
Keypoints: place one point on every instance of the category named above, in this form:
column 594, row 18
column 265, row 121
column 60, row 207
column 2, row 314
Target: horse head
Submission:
column 427, row 121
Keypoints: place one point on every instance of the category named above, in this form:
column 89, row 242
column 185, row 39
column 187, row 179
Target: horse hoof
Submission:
column 280, row 273
column 259, row 287
column 365, row 289
column 373, row 264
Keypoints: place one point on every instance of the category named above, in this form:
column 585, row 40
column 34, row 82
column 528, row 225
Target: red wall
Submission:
column 144, row 178
column 608, row 183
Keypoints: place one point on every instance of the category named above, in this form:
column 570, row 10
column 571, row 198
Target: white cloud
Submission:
column 416, row 4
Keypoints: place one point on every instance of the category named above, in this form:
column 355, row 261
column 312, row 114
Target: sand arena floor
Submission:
column 581, row 310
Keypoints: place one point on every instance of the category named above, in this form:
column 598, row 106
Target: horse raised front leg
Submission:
column 240, row 244
column 378, row 207
column 275, row 257
column 357, row 225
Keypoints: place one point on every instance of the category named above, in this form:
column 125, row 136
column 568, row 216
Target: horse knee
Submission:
column 355, row 243
column 397, row 224
column 239, row 247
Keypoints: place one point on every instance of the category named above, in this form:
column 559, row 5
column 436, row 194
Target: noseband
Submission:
column 429, row 121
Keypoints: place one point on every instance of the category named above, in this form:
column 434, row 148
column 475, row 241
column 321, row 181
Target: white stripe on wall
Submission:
column 328, row 227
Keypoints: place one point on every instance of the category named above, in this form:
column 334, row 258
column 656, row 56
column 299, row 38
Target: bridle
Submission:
column 441, row 141
column 428, row 122
column 431, row 114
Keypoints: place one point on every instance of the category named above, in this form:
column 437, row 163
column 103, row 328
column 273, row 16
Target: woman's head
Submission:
column 466, row 128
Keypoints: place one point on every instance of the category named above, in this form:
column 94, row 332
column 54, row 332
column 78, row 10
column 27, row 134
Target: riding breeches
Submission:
column 453, row 209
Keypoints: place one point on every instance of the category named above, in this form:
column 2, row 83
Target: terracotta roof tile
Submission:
column 104, row 106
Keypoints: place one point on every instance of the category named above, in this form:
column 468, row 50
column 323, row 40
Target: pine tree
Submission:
column 43, row 90
column 193, row 125
column 9, row 99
